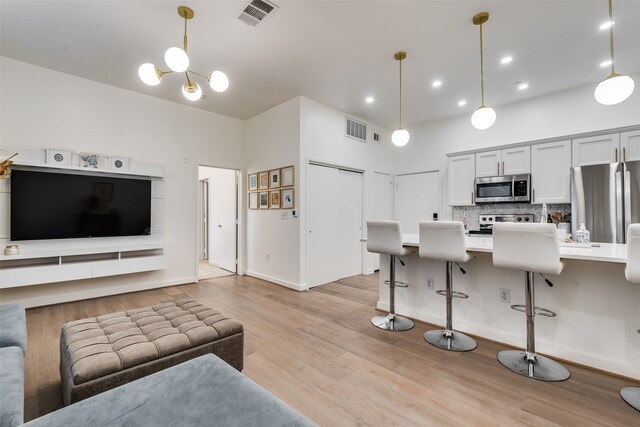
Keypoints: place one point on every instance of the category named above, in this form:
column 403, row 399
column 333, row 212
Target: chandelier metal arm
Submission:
column 186, row 73
column 198, row 74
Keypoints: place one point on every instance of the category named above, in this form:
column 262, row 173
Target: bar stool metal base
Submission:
column 450, row 340
column 392, row 323
column 631, row 395
column 541, row 368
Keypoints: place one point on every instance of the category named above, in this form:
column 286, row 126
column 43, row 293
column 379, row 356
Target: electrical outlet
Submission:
column 505, row 295
column 430, row 283
column 267, row 257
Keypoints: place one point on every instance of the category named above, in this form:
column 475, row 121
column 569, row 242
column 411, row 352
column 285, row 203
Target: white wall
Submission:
column 272, row 141
column 322, row 138
column 569, row 112
column 41, row 108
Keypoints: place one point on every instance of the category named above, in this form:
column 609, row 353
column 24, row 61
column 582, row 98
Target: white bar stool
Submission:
column 531, row 248
column 385, row 237
column 444, row 241
column 631, row 395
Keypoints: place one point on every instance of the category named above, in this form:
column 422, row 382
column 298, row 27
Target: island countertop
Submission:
column 606, row 252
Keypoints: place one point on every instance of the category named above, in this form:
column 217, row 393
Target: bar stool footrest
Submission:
column 454, row 294
column 399, row 284
column 544, row 312
column 519, row 307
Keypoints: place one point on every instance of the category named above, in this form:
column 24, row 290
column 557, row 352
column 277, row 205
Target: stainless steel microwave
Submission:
column 502, row 189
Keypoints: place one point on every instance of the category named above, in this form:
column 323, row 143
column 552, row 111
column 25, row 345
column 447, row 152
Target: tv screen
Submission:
column 63, row 205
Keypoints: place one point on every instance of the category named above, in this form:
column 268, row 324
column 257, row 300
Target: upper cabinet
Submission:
column 630, row 144
column 510, row 161
column 551, row 172
column 596, row 150
column 462, row 172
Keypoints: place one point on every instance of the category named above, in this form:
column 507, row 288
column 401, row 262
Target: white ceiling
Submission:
column 335, row 52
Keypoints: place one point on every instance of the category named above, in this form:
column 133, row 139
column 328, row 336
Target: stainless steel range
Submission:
column 487, row 221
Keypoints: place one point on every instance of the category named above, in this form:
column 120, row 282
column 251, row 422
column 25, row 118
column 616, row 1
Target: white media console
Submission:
column 51, row 261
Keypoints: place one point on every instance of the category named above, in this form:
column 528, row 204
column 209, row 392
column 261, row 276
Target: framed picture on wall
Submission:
column 263, row 180
column 288, row 198
column 274, row 199
column 119, row 163
column 264, row 199
column 253, row 200
column 59, row 157
column 274, row 178
column 253, row 182
column 287, row 176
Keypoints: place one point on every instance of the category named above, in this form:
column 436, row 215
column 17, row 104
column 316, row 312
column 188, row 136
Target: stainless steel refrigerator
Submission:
column 606, row 198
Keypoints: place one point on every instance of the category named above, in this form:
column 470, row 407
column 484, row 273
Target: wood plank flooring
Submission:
column 318, row 352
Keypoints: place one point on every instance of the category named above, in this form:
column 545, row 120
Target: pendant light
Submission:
column 616, row 87
column 400, row 137
column 178, row 62
column 484, row 117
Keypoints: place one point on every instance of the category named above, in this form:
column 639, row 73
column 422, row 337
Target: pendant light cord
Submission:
column 401, row 94
column 482, row 68
column 611, row 35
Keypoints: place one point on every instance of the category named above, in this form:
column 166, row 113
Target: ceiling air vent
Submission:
column 356, row 129
column 257, row 11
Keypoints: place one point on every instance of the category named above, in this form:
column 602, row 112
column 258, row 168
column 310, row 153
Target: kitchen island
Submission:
column 598, row 309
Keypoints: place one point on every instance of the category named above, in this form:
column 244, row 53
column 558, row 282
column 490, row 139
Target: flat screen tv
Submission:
column 67, row 205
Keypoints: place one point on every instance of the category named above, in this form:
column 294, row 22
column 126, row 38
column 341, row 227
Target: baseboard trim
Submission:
column 285, row 283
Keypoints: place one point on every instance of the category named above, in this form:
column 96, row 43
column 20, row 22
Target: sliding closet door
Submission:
column 334, row 221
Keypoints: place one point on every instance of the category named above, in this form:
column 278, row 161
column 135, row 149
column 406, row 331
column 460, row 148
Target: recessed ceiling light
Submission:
column 605, row 63
column 462, row 103
column 437, row 83
column 523, row 85
column 506, row 60
column 606, row 25
column 369, row 99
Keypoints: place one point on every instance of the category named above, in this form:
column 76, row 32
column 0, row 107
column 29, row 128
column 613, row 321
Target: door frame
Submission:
column 240, row 217
column 350, row 168
column 204, row 213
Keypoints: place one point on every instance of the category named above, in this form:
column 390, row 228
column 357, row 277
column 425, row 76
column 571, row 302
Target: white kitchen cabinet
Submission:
column 630, row 144
column 596, row 150
column 510, row 161
column 462, row 172
column 551, row 172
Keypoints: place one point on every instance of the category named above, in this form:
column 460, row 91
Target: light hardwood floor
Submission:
column 318, row 352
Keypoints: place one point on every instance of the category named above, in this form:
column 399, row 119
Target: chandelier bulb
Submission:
column 150, row 74
column 400, row 137
column 483, row 118
column 219, row 81
column 614, row 89
column 176, row 59
column 192, row 91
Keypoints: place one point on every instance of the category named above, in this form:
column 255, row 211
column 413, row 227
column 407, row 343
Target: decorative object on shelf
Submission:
column 616, row 87
column 287, row 176
column 5, row 167
column 58, row 157
column 288, row 198
column 274, row 178
column 400, row 136
column 253, row 200
column 484, row 117
column 88, row 160
column 178, row 61
column 583, row 235
column 263, row 180
column 274, row 199
column 253, row 182
column 12, row 250
column 119, row 163
column 264, row 199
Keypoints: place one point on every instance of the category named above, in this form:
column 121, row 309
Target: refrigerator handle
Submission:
column 619, row 209
column 627, row 201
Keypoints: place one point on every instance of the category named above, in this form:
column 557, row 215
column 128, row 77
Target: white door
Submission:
column 334, row 221
column 382, row 207
column 417, row 199
column 551, row 172
column 630, row 144
column 516, row 161
column 488, row 163
column 222, row 224
column 596, row 150
column 462, row 172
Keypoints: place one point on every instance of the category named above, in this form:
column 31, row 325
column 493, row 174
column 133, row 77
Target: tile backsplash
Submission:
column 473, row 213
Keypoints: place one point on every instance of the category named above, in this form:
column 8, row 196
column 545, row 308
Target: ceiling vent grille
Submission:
column 257, row 11
column 356, row 129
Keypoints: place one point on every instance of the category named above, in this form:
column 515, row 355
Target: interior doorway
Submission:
column 218, row 228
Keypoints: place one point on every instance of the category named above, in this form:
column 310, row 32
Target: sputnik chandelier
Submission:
column 178, row 61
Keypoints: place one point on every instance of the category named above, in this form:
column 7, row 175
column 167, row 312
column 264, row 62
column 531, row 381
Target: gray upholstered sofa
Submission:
column 201, row 391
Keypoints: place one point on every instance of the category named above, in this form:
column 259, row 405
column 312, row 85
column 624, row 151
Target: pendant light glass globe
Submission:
column 400, row 137
column 192, row 91
column 219, row 81
column 177, row 59
column 614, row 89
column 483, row 118
column 149, row 74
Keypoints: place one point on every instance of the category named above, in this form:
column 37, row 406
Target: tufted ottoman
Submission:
column 100, row 353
